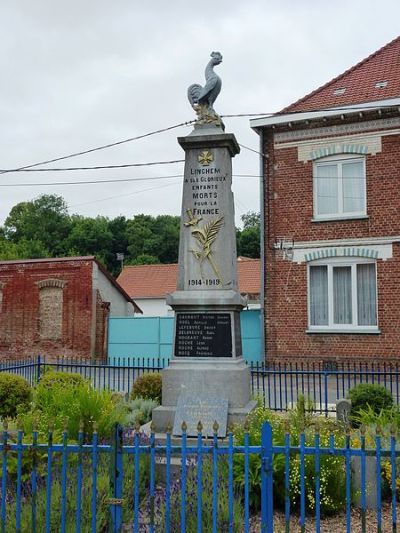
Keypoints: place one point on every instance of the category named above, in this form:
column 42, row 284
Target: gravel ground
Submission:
column 334, row 524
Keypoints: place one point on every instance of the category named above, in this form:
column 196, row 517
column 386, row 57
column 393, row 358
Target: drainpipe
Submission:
column 262, row 244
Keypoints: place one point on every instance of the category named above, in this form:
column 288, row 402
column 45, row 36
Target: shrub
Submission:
column 139, row 411
column 384, row 419
column 366, row 394
column 254, row 424
column 148, row 386
column 332, row 469
column 51, row 377
column 15, row 394
column 67, row 406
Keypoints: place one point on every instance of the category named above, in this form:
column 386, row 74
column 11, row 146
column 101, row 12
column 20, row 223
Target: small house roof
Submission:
column 155, row 281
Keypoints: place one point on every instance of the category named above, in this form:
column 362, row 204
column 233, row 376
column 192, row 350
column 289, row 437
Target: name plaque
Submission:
column 203, row 335
column 206, row 410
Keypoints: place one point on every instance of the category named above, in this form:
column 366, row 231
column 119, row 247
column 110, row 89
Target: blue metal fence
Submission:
column 59, row 486
column 277, row 386
column 118, row 376
column 280, row 385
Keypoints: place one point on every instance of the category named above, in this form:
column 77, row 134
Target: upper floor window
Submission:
column 339, row 188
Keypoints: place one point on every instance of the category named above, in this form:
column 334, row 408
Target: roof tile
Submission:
column 359, row 81
column 155, row 281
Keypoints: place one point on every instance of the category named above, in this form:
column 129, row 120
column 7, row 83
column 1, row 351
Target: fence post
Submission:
column 116, row 480
column 326, row 392
column 38, row 368
column 267, row 508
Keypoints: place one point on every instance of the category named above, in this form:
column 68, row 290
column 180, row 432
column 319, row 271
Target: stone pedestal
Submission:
column 207, row 357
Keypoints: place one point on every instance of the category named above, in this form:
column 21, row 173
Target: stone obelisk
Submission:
column 207, row 358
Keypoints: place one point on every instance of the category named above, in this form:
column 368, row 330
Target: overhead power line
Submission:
column 87, row 182
column 90, row 150
column 117, row 180
column 187, row 123
column 252, row 150
column 99, row 167
column 125, row 194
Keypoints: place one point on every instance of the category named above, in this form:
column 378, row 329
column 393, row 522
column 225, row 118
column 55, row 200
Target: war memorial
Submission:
column 207, row 379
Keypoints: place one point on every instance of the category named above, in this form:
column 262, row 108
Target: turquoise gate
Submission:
column 150, row 337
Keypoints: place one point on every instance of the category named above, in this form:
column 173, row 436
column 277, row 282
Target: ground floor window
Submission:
column 342, row 296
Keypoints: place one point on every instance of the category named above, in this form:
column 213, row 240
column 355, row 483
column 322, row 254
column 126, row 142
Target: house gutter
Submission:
column 301, row 116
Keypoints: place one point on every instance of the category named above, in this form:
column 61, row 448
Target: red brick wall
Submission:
column 288, row 202
column 292, row 197
column 102, row 313
column 19, row 326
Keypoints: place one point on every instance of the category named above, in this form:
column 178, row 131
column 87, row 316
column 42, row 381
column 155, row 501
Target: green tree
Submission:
column 139, row 234
column 45, row 220
column 144, row 259
column 157, row 237
column 23, row 249
column 251, row 220
column 118, row 227
column 166, row 238
column 248, row 239
column 90, row 236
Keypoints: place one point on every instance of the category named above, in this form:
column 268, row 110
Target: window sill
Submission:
column 341, row 218
column 355, row 331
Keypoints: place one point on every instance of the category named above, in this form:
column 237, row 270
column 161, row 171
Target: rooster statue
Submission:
column 203, row 98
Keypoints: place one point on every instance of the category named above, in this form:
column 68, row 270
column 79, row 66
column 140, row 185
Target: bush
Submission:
column 148, row 386
column 15, row 394
column 368, row 395
column 51, row 377
column 385, row 419
column 65, row 406
column 332, row 469
column 139, row 411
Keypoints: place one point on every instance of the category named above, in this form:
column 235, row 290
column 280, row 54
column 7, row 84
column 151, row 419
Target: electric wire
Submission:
column 188, row 123
column 252, row 150
column 88, row 182
column 117, row 180
column 98, row 167
column 125, row 194
column 103, row 147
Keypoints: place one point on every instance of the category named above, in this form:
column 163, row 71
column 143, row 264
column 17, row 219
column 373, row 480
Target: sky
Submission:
column 77, row 75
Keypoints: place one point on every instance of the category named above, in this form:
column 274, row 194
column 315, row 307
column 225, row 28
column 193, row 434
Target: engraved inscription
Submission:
column 203, row 335
column 204, row 409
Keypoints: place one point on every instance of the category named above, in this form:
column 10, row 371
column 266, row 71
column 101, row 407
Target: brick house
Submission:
column 58, row 307
column 331, row 211
column 149, row 284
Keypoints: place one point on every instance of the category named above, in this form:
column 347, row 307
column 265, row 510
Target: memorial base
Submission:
column 228, row 379
column 164, row 416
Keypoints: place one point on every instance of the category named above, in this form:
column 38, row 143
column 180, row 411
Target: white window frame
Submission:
column 338, row 160
column 331, row 327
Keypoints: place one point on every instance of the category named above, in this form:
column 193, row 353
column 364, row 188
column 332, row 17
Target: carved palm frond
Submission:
column 205, row 238
column 198, row 255
column 199, row 235
column 211, row 230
